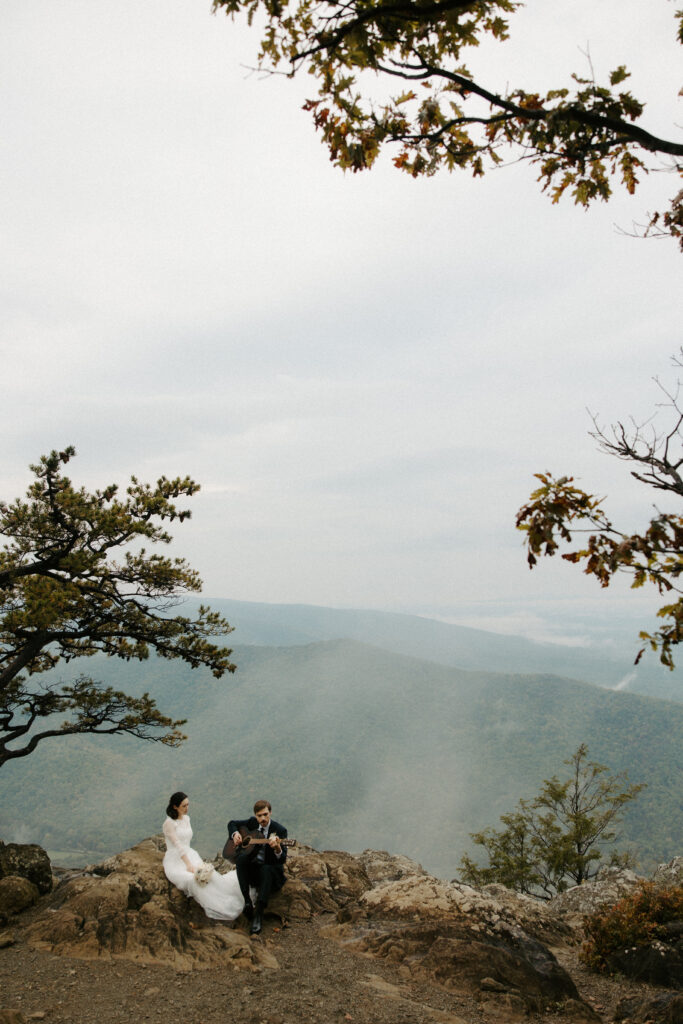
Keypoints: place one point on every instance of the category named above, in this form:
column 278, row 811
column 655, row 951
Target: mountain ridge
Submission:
column 262, row 624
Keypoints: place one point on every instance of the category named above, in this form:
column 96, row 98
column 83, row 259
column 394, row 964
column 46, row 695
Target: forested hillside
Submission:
column 356, row 747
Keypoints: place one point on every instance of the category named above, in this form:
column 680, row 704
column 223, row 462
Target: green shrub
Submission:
column 636, row 920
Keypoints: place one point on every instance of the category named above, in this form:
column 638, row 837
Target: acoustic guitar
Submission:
column 250, row 843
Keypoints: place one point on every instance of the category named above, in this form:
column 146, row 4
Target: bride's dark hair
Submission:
column 174, row 803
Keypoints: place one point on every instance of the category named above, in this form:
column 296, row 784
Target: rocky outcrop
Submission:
column 492, row 945
column 536, row 917
column 27, row 860
column 16, row 894
column 609, row 886
column 319, row 883
column 662, row 1009
column 461, row 938
column 668, row 875
column 660, row 962
column 124, row 908
column 381, row 866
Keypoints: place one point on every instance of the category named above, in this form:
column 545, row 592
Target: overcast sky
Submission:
column 363, row 372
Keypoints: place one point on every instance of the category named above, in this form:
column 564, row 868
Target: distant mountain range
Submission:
column 356, row 745
column 288, row 624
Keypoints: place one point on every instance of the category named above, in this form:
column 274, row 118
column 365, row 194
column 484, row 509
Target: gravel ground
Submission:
column 317, row 982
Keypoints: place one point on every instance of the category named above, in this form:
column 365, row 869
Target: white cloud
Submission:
column 364, row 371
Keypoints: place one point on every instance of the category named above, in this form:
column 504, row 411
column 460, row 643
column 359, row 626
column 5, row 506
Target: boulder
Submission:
column 16, row 894
column 534, row 915
column 319, row 882
column 669, row 875
column 381, row 866
column 460, row 938
column 28, row 860
column 644, row 1009
column 609, row 886
column 660, row 962
column 142, row 861
column 491, row 907
column 124, row 908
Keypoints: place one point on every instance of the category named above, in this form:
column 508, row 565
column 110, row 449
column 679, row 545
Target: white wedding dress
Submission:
column 220, row 897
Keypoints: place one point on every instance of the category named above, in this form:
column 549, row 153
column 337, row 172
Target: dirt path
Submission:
column 317, row 983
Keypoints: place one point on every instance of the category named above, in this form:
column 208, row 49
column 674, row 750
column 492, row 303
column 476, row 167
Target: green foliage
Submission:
column 64, row 596
column 557, row 839
column 557, row 509
column 512, row 854
column 580, row 137
column 638, row 919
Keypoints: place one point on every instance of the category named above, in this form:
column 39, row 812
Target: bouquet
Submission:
column 203, row 873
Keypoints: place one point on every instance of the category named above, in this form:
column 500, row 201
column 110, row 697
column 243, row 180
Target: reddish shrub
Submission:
column 636, row 920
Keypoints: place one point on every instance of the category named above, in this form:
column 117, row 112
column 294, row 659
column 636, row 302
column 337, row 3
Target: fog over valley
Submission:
column 355, row 745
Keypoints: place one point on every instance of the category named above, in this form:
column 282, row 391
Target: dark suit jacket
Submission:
column 279, row 830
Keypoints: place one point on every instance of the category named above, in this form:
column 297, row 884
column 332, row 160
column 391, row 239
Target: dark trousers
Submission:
column 265, row 878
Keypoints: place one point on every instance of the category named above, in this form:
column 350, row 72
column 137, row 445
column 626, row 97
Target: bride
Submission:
column 220, row 895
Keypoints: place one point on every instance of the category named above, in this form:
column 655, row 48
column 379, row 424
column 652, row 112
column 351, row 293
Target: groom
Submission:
column 262, row 866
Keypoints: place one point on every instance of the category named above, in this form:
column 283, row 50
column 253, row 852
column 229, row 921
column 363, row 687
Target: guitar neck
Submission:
column 260, row 840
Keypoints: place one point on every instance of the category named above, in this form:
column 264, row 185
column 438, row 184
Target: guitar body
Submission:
column 231, row 850
column 250, row 843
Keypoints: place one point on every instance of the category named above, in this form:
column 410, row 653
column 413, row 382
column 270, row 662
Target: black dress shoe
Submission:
column 257, row 923
column 248, row 910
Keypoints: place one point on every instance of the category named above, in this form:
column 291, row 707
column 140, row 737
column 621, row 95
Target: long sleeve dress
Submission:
column 220, row 897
